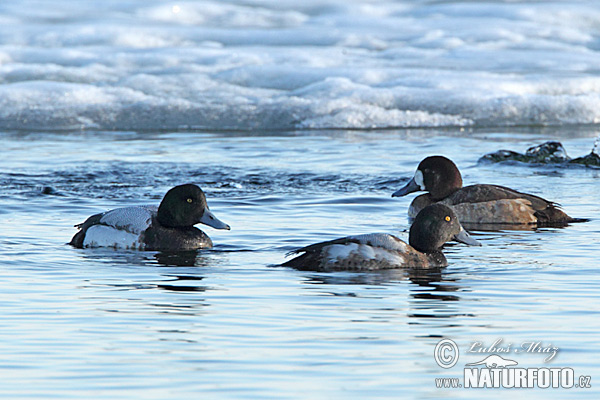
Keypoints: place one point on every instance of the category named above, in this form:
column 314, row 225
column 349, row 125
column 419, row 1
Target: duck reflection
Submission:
column 379, row 277
column 186, row 268
column 419, row 276
column 175, row 284
column 433, row 284
column 433, row 292
column 181, row 259
column 191, row 258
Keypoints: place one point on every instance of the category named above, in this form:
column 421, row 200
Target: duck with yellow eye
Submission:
column 431, row 229
column 168, row 227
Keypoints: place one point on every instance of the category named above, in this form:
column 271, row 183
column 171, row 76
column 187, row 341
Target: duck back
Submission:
column 494, row 204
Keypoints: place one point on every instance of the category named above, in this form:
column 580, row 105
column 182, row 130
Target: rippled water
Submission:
column 110, row 103
column 228, row 322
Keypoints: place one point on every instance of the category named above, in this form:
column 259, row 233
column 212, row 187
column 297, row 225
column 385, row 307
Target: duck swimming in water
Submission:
column 168, row 227
column 478, row 204
column 432, row 227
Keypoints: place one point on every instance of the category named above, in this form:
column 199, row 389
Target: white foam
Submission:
column 220, row 14
column 267, row 64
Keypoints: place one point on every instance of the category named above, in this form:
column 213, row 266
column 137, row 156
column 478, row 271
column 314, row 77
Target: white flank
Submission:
column 392, row 257
column 107, row 236
column 130, row 219
column 372, row 247
column 340, row 251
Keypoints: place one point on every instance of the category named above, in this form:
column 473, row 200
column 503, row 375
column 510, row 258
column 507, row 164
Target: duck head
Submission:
column 435, row 225
column 185, row 206
column 437, row 175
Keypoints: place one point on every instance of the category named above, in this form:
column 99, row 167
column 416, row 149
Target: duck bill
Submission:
column 464, row 237
column 410, row 187
column 209, row 219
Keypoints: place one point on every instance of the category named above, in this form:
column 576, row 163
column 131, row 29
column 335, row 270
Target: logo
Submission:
column 446, row 353
column 500, row 371
column 495, row 361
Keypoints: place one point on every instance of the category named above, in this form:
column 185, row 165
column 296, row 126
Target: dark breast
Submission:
column 157, row 237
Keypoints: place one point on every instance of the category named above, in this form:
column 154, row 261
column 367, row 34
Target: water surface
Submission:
column 228, row 323
column 291, row 116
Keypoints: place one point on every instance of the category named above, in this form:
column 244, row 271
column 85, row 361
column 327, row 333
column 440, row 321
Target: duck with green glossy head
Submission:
column 168, row 227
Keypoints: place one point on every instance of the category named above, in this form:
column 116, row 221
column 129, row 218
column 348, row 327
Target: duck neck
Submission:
column 441, row 195
column 165, row 217
column 437, row 259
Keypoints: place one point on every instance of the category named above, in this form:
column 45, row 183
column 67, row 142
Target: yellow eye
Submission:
column 190, row 200
column 447, row 218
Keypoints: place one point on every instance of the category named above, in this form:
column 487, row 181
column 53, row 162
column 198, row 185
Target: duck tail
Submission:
column 555, row 217
column 578, row 220
column 302, row 262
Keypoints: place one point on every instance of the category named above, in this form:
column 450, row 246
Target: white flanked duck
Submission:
column 432, row 227
column 168, row 227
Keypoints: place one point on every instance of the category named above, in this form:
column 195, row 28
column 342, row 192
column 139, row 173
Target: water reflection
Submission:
column 438, row 284
column 192, row 258
column 356, row 278
column 435, row 302
column 433, row 293
column 189, row 258
column 169, row 282
column 175, row 284
column 107, row 255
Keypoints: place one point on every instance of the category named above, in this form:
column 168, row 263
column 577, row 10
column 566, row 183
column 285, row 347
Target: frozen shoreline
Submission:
column 261, row 65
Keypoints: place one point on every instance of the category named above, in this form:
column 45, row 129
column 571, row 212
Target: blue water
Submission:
column 298, row 119
column 228, row 323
